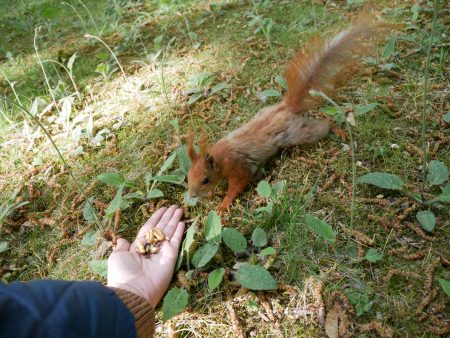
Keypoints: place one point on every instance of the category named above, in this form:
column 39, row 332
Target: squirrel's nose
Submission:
column 191, row 195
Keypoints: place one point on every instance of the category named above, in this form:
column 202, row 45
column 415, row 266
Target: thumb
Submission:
column 122, row 245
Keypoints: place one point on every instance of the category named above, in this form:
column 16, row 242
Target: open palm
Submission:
column 148, row 276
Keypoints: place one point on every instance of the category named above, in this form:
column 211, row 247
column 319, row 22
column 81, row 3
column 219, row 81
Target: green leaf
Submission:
column 373, row 255
column 167, row 164
column 112, row 179
column 389, row 48
column 215, row 278
column 174, row 302
column 255, row 277
column 219, row 87
column 100, row 267
column 3, row 246
column 89, row 212
column 427, row 220
column 437, row 173
column 336, row 113
column 138, row 195
column 154, row 193
column 365, row 108
column 204, row 255
column 213, row 227
column 115, row 203
column 183, row 159
column 175, row 179
column 259, row 237
column 264, row 189
column 323, row 229
column 267, row 209
column 445, row 285
column 446, row 117
column 89, row 238
column 267, row 251
column 278, row 187
column 382, row 180
column 234, row 240
column 445, row 195
column 360, row 301
column 189, row 239
column 281, row 81
column 265, row 94
column 194, row 98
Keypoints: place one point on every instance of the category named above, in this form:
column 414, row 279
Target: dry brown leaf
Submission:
column 332, row 322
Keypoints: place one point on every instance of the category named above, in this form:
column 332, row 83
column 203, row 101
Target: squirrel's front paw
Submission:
column 340, row 133
column 222, row 208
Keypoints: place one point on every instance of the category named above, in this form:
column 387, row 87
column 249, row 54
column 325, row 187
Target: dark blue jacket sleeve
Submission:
column 48, row 308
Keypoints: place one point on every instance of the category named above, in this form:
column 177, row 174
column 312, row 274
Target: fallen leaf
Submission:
column 332, row 322
column 351, row 119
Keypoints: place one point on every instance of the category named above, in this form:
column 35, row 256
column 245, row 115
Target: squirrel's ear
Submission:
column 191, row 151
column 203, row 143
column 209, row 161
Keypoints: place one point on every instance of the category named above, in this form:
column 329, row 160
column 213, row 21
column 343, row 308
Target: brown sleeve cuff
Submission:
column 141, row 309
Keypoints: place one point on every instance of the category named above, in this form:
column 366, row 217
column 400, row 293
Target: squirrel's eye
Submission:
column 205, row 180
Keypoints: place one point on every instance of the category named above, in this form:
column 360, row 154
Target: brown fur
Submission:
column 237, row 156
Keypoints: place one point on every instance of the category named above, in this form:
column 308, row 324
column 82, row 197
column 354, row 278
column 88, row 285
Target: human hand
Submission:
column 148, row 277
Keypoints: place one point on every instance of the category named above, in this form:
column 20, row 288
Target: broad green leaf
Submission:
column 267, row 251
column 427, row 220
column 189, row 239
column 215, row 278
column 175, row 125
column 71, row 61
column 115, row 203
column 267, row 209
column 389, row 48
column 191, row 201
column 219, row 87
column 204, row 255
column 323, row 229
column 278, row 187
column 255, row 277
column 445, row 285
column 259, row 237
column 445, row 195
column 373, row 255
column 234, row 240
column 112, row 179
column 446, row 117
column 167, row 164
column 360, row 301
column 100, row 267
column 89, row 212
column 183, row 159
column 138, row 195
column 213, row 227
column 382, row 180
column 264, row 189
column 365, row 108
column 337, row 114
column 194, row 98
column 175, row 301
column 154, row 193
column 175, row 179
column 437, row 173
column 281, row 81
column 3, row 246
column 265, row 94
column 89, row 238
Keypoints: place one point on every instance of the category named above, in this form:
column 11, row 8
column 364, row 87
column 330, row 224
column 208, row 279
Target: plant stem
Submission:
column 425, row 96
column 70, row 75
column 266, row 34
column 66, row 165
column 37, row 29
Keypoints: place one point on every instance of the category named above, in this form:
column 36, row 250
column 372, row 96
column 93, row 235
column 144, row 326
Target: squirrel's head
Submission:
column 203, row 175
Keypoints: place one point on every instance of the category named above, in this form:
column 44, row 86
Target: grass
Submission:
column 226, row 46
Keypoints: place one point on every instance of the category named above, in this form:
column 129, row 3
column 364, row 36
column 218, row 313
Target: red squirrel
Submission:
column 322, row 66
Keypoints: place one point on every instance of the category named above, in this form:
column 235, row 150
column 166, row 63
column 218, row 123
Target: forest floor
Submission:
column 211, row 66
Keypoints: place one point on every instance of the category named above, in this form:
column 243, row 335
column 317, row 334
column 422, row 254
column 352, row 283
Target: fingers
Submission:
column 151, row 222
column 169, row 229
column 175, row 241
column 122, row 245
column 165, row 219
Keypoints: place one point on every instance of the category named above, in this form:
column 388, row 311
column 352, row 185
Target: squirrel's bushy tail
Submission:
column 325, row 65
